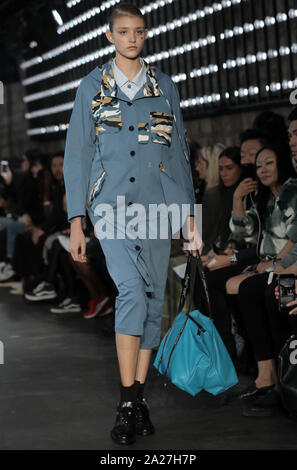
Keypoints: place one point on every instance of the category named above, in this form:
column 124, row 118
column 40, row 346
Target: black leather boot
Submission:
column 124, row 428
column 144, row 426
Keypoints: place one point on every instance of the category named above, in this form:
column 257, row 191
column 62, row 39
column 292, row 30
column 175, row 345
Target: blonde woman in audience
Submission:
column 207, row 164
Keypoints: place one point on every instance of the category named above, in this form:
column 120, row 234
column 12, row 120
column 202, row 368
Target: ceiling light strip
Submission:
column 101, row 30
column 241, row 92
column 191, row 102
column 212, row 68
column 237, row 30
column 73, row 3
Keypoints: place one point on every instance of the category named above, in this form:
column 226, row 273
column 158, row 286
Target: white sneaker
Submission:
column 41, row 292
column 7, row 272
column 65, row 306
column 18, row 289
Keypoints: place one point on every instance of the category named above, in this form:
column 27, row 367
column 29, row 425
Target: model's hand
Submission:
column 195, row 241
column 77, row 241
column 248, row 185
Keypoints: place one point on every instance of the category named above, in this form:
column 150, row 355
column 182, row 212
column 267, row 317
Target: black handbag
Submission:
column 287, row 375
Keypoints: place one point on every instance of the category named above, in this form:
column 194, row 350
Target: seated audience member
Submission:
column 34, row 189
column 273, row 217
column 28, row 247
column 275, row 126
column 222, row 267
column 217, row 201
column 94, row 275
column 207, row 165
column 267, row 328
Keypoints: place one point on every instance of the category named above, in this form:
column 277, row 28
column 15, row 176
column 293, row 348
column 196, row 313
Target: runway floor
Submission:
column 60, row 386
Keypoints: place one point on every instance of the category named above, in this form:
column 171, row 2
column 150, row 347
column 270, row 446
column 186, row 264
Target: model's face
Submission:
column 229, row 171
column 128, row 36
column 57, row 167
column 248, row 151
column 201, row 166
column 293, row 142
column 266, row 167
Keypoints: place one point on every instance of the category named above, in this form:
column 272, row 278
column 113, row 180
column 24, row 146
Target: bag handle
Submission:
column 194, row 263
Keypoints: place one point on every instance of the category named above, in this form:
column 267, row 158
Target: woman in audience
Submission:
column 272, row 217
column 217, row 201
column 32, row 192
column 207, row 164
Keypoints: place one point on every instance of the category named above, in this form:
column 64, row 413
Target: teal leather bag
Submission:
column 192, row 354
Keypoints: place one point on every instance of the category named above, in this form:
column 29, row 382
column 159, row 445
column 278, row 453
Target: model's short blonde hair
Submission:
column 211, row 155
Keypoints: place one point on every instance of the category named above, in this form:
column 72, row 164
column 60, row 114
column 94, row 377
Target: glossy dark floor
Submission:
column 60, row 386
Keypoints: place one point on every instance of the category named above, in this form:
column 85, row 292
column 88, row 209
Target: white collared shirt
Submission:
column 129, row 87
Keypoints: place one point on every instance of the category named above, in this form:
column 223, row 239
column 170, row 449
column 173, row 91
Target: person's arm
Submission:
column 289, row 258
column 79, row 154
column 242, row 222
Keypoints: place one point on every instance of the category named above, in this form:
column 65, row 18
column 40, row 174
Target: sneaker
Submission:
column 12, row 284
column 107, row 310
column 2, row 264
column 66, row 305
column 95, row 306
column 17, row 288
column 7, row 273
column 41, row 292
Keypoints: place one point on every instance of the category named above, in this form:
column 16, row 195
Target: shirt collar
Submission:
column 121, row 78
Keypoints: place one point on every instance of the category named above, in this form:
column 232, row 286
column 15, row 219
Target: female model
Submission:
column 126, row 148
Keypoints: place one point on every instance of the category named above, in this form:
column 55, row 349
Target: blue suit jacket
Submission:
column 135, row 148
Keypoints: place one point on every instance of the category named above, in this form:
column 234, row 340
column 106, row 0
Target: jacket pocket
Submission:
column 97, row 186
column 107, row 115
column 161, row 127
column 143, row 132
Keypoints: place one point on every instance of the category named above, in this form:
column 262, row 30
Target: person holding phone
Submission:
column 126, row 138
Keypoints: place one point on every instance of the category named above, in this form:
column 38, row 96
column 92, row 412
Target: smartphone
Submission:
column 248, row 171
column 4, row 166
column 286, row 285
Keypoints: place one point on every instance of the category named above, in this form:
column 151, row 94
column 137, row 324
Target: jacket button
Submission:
column 137, row 247
column 132, row 179
column 129, row 104
column 131, row 128
column 132, row 153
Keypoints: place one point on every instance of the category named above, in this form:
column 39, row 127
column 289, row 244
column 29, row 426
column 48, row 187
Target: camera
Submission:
column 286, row 285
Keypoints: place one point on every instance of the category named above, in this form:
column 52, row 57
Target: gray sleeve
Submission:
column 290, row 258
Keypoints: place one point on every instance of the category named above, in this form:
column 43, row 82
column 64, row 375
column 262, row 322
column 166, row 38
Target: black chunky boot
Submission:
column 124, row 430
column 144, row 426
